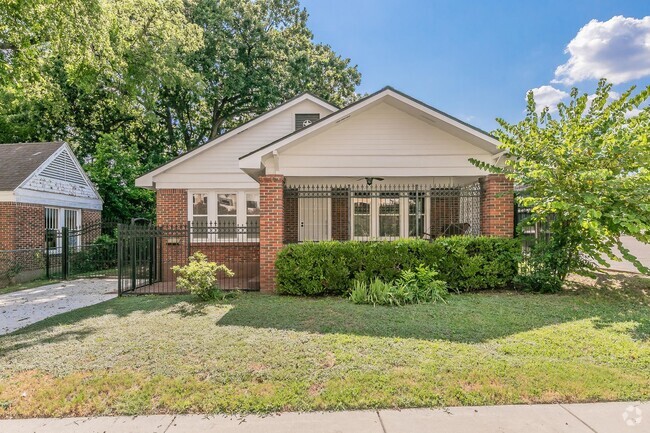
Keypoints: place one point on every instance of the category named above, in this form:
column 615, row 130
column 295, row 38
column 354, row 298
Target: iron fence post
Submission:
column 189, row 239
column 47, row 255
column 119, row 260
column 132, row 245
column 64, row 252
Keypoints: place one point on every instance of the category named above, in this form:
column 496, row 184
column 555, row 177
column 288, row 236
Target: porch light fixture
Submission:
column 369, row 180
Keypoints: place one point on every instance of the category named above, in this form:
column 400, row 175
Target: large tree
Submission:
column 153, row 78
column 586, row 174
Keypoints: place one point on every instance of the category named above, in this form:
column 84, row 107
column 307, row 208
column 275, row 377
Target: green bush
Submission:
column 329, row 268
column 199, row 277
column 413, row 287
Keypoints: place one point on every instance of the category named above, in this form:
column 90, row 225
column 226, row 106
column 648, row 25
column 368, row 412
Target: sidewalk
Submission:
column 575, row 418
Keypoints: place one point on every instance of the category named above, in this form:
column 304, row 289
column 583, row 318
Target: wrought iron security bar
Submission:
column 380, row 212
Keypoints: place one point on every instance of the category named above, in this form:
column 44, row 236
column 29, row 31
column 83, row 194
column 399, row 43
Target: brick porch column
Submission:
column 497, row 206
column 271, row 227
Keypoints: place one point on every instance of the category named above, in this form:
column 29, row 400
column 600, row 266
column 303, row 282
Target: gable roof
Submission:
column 483, row 139
column 19, row 160
column 147, row 178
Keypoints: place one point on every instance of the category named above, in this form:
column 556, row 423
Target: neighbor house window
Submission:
column 57, row 218
column 253, row 213
column 388, row 215
column 223, row 213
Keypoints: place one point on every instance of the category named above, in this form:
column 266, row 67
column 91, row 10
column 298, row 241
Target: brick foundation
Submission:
column 497, row 206
column 271, row 227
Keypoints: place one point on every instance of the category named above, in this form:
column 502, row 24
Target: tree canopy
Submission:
column 133, row 83
column 586, row 173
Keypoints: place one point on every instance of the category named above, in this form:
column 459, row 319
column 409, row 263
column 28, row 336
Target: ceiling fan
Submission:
column 369, row 180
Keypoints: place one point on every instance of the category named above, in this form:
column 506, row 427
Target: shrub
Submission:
column 329, row 268
column 98, row 256
column 199, row 277
column 422, row 285
column 413, row 287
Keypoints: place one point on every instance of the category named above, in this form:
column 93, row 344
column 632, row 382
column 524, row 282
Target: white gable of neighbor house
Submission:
column 218, row 166
column 59, row 181
column 382, row 140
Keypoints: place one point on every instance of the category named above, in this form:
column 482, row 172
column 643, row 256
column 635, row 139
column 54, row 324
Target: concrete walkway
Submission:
column 24, row 307
column 574, row 418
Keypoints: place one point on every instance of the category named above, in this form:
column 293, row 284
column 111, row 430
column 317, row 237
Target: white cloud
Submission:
column 618, row 49
column 548, row 96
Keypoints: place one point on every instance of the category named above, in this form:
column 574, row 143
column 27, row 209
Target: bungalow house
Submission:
column 42, row 186
column 386, row 166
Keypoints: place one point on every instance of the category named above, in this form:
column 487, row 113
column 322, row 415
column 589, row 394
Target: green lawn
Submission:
column 263, row 353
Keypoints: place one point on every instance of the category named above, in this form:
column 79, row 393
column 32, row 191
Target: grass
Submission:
column 263, row 353
column 27, row 285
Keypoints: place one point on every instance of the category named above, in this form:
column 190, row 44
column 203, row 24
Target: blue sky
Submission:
column 477, row 59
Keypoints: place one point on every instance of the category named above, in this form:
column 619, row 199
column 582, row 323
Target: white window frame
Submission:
column 403, row 216
column 60, row 224
column 242, row 212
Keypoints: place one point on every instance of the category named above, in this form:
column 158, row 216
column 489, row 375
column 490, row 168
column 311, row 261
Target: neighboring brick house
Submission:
column 386, row 166
column 42, row 186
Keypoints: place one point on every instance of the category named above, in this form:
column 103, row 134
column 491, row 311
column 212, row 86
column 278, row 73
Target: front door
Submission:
column 314, row 219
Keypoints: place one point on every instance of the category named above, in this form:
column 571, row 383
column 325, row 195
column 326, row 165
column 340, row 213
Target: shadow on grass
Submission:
column 466, row 318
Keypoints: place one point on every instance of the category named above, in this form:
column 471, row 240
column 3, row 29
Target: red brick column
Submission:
column 497, row 206
column 271, row 227
column 171, row 207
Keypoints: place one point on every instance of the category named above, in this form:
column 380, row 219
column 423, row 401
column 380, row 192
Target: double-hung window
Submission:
column 388, row 215
column 220, row 215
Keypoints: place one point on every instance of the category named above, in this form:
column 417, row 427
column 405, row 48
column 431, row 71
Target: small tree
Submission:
column 586, row 174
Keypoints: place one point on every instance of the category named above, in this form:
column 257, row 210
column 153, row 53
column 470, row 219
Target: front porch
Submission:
column 297, row 209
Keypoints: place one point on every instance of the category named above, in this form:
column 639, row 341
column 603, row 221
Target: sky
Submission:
column 477, row 59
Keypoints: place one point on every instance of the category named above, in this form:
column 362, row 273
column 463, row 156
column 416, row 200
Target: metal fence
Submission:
column 146, row 255
column 380, row 212
column 86, row 251
column 529, row 232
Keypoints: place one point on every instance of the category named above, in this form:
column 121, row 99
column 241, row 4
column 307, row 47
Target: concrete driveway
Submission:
column 22, row 308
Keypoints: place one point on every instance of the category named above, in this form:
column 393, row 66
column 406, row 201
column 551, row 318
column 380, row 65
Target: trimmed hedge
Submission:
column 328, row 268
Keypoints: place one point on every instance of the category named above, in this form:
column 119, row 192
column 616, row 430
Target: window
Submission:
column 57, row 218
column 417, row 210
column 253, row 209
column 200, row 216
column 222, row 213
column 388, row 215
column 227, row 215
column 305, row 120
column 51, row 226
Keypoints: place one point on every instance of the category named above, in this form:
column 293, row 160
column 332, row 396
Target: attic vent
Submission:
column 304, row 120
column 63, row 168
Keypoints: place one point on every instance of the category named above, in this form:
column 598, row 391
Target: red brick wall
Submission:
column 7, row 225
column 271, row 227
column 171, row 207
column 497, row 206
column 243, row 258
column 29, row 226
column 291, row 218
column 340, row 214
